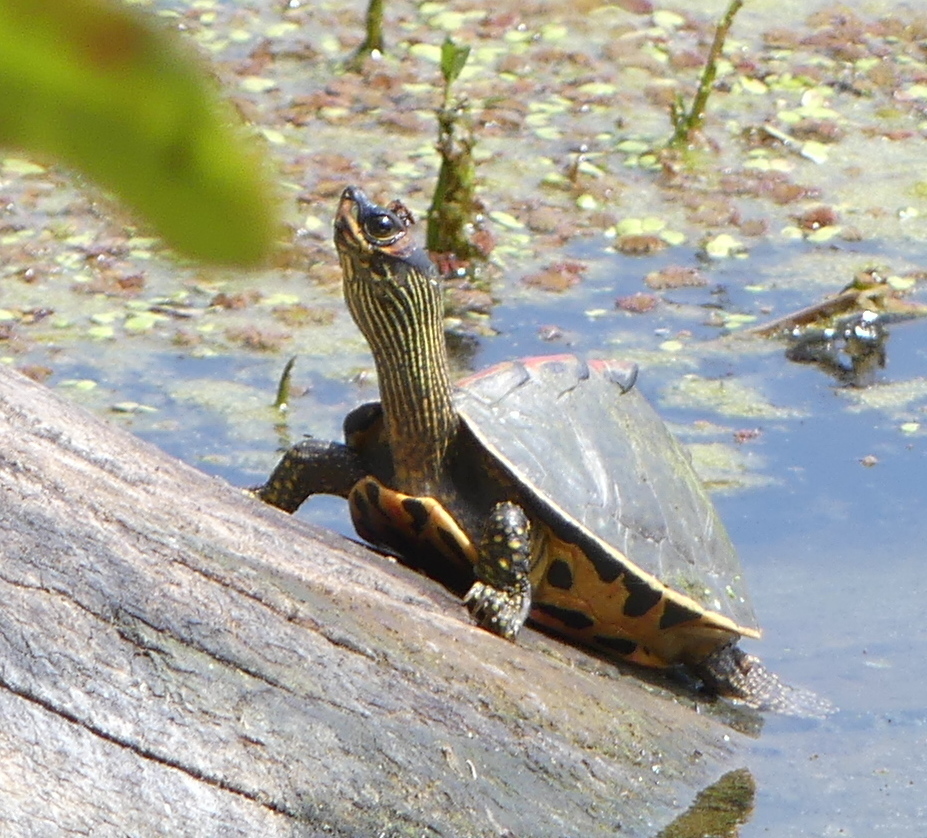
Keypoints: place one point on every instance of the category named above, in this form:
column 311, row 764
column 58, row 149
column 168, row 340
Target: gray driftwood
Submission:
column 177, row 659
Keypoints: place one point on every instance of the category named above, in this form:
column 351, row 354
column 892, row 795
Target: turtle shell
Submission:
column 588, row 452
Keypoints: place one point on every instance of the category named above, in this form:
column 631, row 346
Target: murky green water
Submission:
column 833, row 549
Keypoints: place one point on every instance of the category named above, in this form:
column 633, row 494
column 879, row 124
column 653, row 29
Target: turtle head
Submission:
column 376, row 246
column 390, row 285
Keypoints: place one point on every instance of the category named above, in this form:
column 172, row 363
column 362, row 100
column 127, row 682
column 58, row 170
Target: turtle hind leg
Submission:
column 500, row 599
column 731, row 672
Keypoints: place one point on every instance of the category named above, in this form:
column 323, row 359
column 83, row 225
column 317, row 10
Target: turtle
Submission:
column 544, row 488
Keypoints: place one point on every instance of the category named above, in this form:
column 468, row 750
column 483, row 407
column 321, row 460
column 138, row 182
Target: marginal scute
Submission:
column 624, row 375
column 555, row 364
column 607, row 569
column 641, row 597
column 675, row 613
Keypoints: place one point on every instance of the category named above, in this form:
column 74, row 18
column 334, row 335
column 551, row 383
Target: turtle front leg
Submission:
column 500, row 599
column 311, row 467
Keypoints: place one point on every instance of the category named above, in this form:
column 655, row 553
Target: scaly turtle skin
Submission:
column 546, row 487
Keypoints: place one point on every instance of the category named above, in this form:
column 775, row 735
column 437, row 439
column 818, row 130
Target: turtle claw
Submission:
column 500, row 599
column 501, row 612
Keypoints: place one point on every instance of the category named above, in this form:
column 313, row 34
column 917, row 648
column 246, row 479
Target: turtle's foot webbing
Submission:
column 731, row 672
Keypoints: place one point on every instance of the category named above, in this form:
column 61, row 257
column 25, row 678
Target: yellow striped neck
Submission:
column 399, row 308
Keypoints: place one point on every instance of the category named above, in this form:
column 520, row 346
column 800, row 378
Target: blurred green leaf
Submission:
column 108, row 92
column 453, row 60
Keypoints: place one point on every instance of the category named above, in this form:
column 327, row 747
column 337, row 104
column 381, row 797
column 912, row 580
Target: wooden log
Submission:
column 178, row 659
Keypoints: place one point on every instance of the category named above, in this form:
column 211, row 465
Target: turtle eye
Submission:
column 382, row 226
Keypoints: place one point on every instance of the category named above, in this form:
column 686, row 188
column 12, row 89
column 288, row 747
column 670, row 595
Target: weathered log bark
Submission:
column 178, row 659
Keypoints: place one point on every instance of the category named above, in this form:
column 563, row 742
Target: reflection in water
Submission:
column 462, row 349
column 844, row 334
column 719, row 811
column 852, row 350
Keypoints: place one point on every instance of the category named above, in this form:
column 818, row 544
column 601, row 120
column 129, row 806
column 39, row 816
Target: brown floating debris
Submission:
column 639, row 303
column 675, row 276
column 817, row 217
column 557, row 277
column 639, row 244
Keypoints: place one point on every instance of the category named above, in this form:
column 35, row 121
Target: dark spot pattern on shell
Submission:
column 560, row 575
column 606, row 568
column 674, row 614
column 641, row 597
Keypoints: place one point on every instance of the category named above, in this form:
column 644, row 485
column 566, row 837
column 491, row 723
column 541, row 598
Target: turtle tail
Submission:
column 731, row 672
